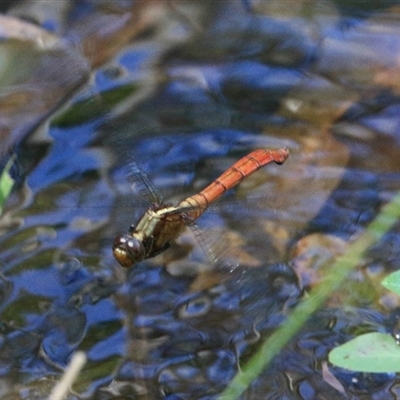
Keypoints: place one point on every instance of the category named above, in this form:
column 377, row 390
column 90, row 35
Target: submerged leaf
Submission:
column 88, row 109
column 372, row 352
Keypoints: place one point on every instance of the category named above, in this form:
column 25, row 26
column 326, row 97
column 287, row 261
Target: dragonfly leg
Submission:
column 148, row 244
column 159, row 251
column 187, row 219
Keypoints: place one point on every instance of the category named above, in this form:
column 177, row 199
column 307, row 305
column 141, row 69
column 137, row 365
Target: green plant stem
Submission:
column 340, row 269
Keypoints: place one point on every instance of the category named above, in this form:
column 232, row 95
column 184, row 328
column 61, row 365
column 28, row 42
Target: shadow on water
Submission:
column 198, row 89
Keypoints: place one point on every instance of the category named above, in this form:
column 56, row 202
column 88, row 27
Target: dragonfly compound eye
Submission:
column 128, row 250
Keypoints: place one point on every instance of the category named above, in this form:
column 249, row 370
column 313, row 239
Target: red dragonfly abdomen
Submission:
column 230, row 178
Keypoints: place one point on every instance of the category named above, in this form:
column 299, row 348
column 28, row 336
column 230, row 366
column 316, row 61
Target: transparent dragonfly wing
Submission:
column 203, row 255
column 141, row 182
column 215, row 248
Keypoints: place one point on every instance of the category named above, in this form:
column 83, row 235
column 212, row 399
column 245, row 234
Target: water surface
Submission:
column 196, row 88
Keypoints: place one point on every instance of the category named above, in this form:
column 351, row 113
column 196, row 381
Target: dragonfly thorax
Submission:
column 128, row 250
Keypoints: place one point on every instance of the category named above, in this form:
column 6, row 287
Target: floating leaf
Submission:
column 372, row 352
column 392, row 282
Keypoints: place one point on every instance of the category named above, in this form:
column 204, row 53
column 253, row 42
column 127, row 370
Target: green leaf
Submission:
column 392, row 282
column 372, row 352
column 6, row 183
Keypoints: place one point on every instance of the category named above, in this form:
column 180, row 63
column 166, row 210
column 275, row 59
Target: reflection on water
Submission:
column 205, row 84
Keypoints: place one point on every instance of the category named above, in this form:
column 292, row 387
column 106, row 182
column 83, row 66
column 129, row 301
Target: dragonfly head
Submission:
column 128, row 250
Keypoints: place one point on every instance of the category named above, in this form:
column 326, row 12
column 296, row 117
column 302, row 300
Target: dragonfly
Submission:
column 163, row 223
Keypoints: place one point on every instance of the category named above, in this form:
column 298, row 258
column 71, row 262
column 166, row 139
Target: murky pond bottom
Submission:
column 186, row 104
